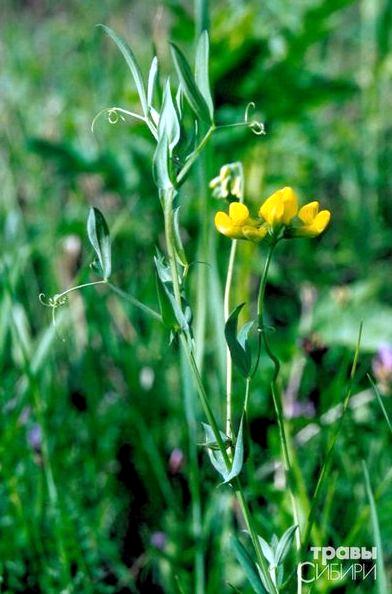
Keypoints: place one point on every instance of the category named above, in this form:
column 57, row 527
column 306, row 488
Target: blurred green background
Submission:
column 95, row 457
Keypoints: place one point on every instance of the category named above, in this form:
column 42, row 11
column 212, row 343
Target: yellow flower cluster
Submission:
column 276, row 216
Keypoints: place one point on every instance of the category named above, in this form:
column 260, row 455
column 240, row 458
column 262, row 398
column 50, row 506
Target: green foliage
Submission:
column 99, row 236
column 238, row 343
column 108, row 501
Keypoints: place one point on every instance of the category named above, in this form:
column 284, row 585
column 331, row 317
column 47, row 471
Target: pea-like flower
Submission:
column 314, row 220
column 280, row 208
column 278, row 217
column 238, row 224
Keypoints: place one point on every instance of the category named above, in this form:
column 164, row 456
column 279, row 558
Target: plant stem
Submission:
column 276, row 396
column 229, row 363
column 145, row 308
column 194, row 155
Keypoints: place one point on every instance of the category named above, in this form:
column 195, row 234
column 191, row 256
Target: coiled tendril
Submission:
column 256, row 126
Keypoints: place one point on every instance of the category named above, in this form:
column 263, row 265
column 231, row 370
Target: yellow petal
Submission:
column 253, row 233
column 225, row 225
column 280, row 207
column 317, row 226
column 269, row 207
column 238, row 213
column 290, row 204
column 308, row 212
column 322, row 220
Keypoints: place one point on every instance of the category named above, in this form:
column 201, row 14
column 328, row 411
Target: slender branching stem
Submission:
column 276, row 395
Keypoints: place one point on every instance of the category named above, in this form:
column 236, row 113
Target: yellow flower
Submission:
column 314, row 221
column 280, row 208
column 238, row 224
column 232, row 224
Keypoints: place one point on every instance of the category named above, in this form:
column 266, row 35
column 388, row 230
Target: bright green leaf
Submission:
column 98, row 234
column 201, row 71
column 238, row 458
column 188, row 83
column 248, row 565
column 161, row 163
column 239, row 351
column 284, row 544
column 132, row 64
column 267, row 550
column 168, row 120
column 180, row 252
column 152, row 78
column 215, row 455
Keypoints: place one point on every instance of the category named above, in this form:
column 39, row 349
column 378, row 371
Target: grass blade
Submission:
column 379, row 398
column 382, row 583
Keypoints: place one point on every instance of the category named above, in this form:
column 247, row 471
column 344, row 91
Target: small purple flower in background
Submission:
column 34, row 438
column 296, row 409
column 382, row 365
column 176, row 461
column 158, row 540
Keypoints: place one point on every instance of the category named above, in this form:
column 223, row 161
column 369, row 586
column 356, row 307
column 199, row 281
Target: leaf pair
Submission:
column 169, row 132
column 216, row 457
column 238, row 342
column 174, row 317
column 276, row 552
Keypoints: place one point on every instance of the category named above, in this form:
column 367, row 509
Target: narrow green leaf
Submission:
column 215, row 456
column 161, row 163
column 243, row 335
column 152, row 78
column 99, row 236
column 168, row 120
column 182, row 318
column 165, row 307
column 284, row 545
column 201, row 71
column 248, row 565
column 379, row 398
column 188, row 83
column 382, row 581
column 267, row 550
column 132, row 64
column 180, row 252
column 238, row 458
column 179, row 100
column 239, row 352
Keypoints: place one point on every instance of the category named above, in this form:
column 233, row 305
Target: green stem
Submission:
column 226, row 313
column 194, row 156
column 276, row 394
column 100, row 282
column 148, row 310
